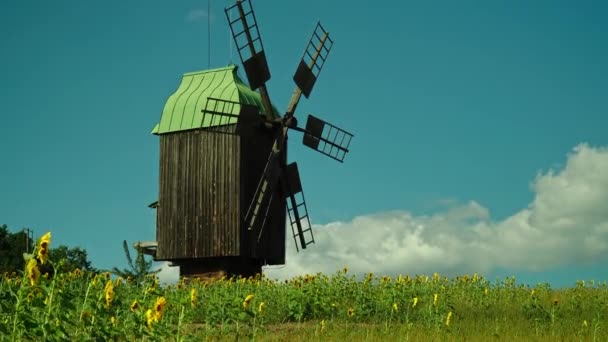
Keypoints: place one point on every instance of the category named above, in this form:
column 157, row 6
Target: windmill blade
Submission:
column 296, row 208
column 265, row 188
column 326, row 138
column 218, row 114
column 249, row 45
column 266, row 212
column 313, row 59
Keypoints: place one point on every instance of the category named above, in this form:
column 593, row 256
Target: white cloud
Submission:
column 196, row 15
column 167, row 274
column 566, row 223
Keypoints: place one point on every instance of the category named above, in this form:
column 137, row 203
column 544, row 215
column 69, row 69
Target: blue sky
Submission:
column 459, row 111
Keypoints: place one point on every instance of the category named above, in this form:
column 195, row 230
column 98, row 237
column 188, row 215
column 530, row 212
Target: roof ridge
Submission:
column 228, row 67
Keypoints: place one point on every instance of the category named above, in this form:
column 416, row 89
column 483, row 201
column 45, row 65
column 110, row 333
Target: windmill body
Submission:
column 207, row 179
column 226, row 190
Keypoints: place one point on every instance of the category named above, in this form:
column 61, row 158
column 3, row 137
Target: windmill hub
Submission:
column 225, row 187
column 290, row 122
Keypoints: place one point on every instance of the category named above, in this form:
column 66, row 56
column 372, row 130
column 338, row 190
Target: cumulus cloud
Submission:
column 196, row 15
column 167, row 274
column 565, row 224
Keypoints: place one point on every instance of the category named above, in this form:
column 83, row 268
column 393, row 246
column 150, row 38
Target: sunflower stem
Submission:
column 179, row 323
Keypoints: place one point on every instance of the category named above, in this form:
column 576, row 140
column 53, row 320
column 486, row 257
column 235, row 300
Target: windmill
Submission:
column 225, row 185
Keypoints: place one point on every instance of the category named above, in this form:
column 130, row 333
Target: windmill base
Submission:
column 210, row 269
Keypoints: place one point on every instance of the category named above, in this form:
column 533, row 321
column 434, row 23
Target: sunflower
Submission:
column 134, row 305
column 76, row 273
column 109, row 293
column 448, row 319
column 159, row 307
column 43, row 247
column 261, row 307
column 33, row 273
column 247, row 301
column 149, row 318
column 351, row 312
column 415, row 302
column 193, row 297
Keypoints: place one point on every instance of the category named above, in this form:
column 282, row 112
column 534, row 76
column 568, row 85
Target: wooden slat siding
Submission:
column 199, row 192
column 196, row 195
column 204, row 232
column 185, row 180
column 181, row 171
column 216, row 231
column 161, row 171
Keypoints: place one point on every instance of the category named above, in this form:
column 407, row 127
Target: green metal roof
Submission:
column 183, row 109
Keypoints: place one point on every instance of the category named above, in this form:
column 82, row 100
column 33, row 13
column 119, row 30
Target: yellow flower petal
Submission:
column 33, row 273
column 247, row 300
column 109, row 293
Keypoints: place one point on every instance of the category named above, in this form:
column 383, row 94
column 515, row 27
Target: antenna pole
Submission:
column 229, row 37
column 29, row 236
column 209, row 34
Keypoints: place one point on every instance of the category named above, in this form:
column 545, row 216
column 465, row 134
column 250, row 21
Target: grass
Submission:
column 374, row 332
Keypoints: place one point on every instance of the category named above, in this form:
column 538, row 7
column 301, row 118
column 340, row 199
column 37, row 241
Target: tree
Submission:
column 12, row 247
column 139, row 269
column 70, row 259
column 15, row 246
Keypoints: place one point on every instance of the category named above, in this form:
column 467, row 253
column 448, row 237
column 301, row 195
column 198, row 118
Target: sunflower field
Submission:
column 81, row 306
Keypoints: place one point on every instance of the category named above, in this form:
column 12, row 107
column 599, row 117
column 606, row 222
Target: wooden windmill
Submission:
column 225, row 186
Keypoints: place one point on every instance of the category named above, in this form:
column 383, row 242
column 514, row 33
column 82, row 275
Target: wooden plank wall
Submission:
column 199, row 197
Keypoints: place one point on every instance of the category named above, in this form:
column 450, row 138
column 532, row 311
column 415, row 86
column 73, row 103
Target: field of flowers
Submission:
column 86, row 306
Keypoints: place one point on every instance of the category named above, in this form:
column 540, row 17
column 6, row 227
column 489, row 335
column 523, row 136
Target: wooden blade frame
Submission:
column 296, row 207
column 249, row 45
column 326, row 138
column 314, row 57
column 265, row 187
column 261, row 230
column 218, row 114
